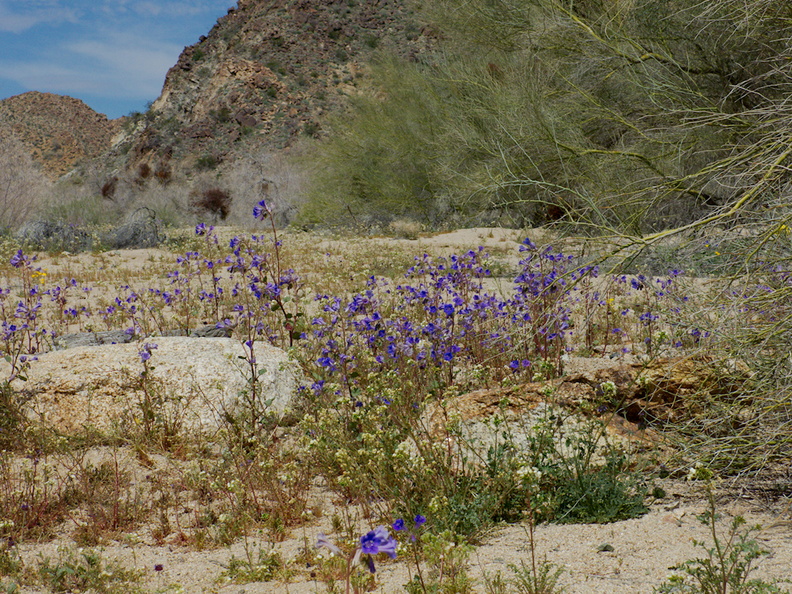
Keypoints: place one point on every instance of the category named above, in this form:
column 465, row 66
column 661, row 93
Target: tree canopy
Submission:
column 628, row 116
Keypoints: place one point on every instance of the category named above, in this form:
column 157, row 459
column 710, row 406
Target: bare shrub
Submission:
column 21, row 183
column 143, row 173
column 109, row 188
column 264, row 175
column 163, row 174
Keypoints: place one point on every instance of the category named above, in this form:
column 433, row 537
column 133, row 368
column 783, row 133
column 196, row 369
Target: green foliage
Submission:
column 446, row 559
column 603, row 494
column 573, row 477
column 87, row 571
column 536, row 580
column 378, row 165
column 222, row 115
column 85, row 211
column 261, row 568
column 629, row 116
column 10, row 562
column 206, row 162
column 728, row 564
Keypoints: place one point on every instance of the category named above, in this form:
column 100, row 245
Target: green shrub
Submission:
column 728, row 564
column 87, row 571
column 206, row 162
column 261, row 568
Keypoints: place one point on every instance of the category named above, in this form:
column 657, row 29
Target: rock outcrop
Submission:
column 631, row 398
column 194, row 382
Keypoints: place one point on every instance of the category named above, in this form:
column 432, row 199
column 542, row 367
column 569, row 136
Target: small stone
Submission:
column 605, row 548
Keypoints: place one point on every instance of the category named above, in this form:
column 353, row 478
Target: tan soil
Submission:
column 645, row 551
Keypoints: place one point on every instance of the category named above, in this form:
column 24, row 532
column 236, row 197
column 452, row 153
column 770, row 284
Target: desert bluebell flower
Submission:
column 379, row 541
column 261, row 210
column 145, row 354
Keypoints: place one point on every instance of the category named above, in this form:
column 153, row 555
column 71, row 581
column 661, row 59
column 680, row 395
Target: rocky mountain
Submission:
column 265, row 74
column 59, row 132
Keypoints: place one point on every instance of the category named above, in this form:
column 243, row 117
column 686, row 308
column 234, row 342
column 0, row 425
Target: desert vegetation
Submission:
column 384, row 357
column 644, row 148
column 624, row 117
column 21, row 184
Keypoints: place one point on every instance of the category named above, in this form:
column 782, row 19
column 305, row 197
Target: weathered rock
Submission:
column 207, row 331
column 198, row 380
column 140, row 230
column 50, row 236
column 82, row 339
column 481, row 420
column 665, row 390
column 630, row 398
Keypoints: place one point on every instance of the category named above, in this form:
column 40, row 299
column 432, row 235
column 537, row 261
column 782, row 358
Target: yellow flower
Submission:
column 39, row 276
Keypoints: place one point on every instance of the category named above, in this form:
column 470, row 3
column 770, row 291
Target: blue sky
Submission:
column 112, row 54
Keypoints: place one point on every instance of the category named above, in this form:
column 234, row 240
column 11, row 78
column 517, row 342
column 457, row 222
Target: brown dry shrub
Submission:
column 214, row 201
column 144, row 171
column 109, row 188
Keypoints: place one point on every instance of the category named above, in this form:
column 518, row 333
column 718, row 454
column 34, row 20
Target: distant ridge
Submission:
column 59, row 132
column 267, row 73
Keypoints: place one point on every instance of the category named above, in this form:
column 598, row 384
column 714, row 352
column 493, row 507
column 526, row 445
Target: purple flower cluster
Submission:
column 145, row 352
column 26, row 321
column 442, row 317
column 439, row 319
column 400, row 526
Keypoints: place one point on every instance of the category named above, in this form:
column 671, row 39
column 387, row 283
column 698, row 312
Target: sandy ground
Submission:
column 644, row 552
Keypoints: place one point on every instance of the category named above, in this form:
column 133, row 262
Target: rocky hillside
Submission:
column 59, row 132
column 264, row 75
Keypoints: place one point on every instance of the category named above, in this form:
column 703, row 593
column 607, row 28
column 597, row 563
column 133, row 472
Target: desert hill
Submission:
column 265, row 74
column 59, row 132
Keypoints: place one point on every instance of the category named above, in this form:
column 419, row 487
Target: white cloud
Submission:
column 53, row 77
column 124, row 67
column 133, row 66
column 148, row 8
column 21, row 17
column 177, row 8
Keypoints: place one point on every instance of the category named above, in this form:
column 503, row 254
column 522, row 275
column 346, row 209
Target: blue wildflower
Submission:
column 145, row 354
column 261, row 211
column 379, row 541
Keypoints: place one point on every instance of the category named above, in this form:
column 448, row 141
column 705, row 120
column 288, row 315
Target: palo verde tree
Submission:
column 631, row 116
